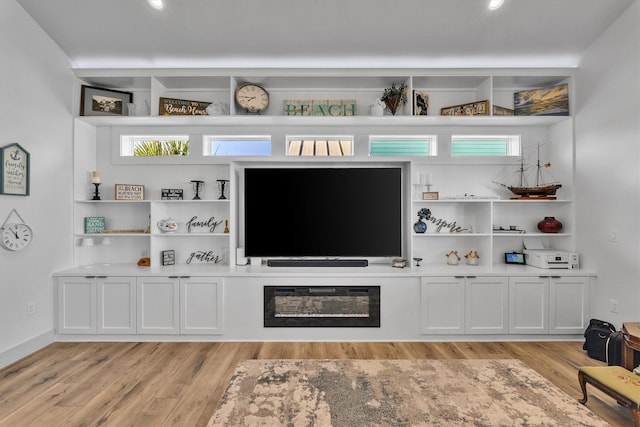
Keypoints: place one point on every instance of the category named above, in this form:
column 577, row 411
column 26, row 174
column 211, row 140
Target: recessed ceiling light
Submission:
column 495, row 4
column 156, row 4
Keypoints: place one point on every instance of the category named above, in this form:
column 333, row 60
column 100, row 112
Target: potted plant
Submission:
column 394, row 96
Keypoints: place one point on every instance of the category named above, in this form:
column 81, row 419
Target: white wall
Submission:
column 36, row 88
column 608, row 166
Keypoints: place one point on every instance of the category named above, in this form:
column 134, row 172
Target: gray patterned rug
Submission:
column 395, row 393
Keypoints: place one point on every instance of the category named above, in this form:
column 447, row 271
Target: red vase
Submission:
column 549, row 225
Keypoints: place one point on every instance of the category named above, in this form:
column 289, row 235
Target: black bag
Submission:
column 596, row 336
column 615, row 346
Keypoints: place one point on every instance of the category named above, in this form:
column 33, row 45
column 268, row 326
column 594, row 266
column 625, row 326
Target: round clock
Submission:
column 15, row 236
column 252, row 97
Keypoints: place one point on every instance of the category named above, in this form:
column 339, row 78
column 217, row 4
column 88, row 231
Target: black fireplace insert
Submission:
column 322, row 306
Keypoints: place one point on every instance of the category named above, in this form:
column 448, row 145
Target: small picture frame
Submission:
column 14, row 170
column 420, row 103
column 430, row 195
column 129, row 192
column 97, row 101
column 168, row 257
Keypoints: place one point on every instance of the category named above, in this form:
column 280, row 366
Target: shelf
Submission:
column 522, row 235
column 191, row 234
column 290, row 121
column 457, row 235
column 115, row 235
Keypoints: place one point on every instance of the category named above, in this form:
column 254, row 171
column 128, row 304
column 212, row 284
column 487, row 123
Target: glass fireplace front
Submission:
column 324, row 306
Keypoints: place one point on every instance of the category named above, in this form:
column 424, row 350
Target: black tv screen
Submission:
column 323, row 212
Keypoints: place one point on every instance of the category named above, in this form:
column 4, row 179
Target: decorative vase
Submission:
column 419, row 226
column 549, row 225
column 393, row 103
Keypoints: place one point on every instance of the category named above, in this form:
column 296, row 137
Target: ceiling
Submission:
column 324, row 33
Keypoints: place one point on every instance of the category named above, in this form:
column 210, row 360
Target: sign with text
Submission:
column 182, row 107
column 319, row 107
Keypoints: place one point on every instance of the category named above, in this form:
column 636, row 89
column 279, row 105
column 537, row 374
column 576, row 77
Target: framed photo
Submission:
column 168, row 257
column 420, row 103
column 96, row 101
column 129, row 192
column 479, row 108
column 14, row 170
column 548, row 101
column 430, row 195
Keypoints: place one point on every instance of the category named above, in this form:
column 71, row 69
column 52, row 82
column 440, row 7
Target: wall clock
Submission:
column 252, row 97
column 14, row 166
column 15, row 236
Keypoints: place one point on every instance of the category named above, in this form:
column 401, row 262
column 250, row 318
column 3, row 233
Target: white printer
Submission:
column 536, row 255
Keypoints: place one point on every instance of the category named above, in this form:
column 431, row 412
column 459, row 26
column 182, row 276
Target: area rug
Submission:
column 358, row 393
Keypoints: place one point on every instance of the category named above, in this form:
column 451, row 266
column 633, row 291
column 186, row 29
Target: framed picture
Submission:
column 168, row 257
column 430, row 195
column 479, row 108
column 96, row 101
column 420, row 103
column 14, row 167
column 548, row 101
column 129, row 192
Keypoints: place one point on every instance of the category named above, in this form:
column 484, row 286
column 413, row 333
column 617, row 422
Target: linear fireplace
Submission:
column 324, row 306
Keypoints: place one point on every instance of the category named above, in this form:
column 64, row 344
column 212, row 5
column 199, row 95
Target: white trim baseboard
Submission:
column 26, row 348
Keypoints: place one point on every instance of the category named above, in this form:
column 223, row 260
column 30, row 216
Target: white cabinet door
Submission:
column 487, row 305
column 568, row 305
column 116, row 305
column 158, row 305
column 442, row 302
column 76, row 305
column 528, row 305
column 201, row 305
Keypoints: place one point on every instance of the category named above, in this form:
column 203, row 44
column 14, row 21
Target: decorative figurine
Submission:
column 472, row 257
column 453, row 258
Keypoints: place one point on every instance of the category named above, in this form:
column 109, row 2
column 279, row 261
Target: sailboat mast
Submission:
column 538, row 169
column 521, row 180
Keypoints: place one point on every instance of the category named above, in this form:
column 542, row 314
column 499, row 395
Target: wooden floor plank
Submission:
column 180, row 384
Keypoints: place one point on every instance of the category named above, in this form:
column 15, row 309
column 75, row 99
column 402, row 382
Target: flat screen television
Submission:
column 323, row 212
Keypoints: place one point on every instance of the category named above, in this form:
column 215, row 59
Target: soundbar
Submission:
column 317, row 262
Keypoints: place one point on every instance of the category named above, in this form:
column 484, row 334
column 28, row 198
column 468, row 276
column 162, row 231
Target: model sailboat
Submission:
column 539, row 190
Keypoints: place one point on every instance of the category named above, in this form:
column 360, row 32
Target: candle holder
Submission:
column 197, row 187
column 222, row 186
column 96, row 191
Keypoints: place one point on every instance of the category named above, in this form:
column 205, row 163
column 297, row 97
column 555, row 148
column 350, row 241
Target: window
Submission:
column 236, row 145
column 403, row 145
column 485, row 145
column 154, row 145
column 325, row 146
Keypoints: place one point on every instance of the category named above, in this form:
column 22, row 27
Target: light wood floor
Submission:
column 179, row 384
